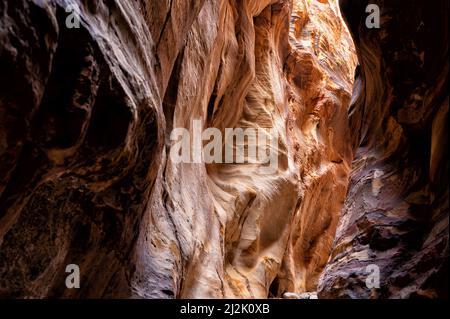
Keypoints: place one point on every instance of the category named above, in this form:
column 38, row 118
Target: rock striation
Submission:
column 395, row 215
column 87, row 175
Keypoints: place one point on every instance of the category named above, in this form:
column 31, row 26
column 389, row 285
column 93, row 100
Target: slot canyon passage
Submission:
column 86, row 178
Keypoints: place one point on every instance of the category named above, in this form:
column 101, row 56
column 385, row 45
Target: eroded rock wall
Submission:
column 85, row 122
column 396, row 213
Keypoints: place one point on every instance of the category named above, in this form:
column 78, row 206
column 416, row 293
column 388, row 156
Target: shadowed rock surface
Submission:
column 86, row 175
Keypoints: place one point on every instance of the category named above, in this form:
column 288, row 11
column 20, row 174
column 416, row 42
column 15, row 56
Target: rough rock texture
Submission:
column 86, row 177
column 320, row 75
column 86, row 116
column 396, row 212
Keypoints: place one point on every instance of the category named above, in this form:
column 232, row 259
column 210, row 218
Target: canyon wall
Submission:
column 87, row 177
column 395, row 216
column 87, row 169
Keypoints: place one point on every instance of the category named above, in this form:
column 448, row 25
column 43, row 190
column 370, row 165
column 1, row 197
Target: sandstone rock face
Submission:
column 87, row 175
column 320, row 77
column 396, row 213
column 86, row 172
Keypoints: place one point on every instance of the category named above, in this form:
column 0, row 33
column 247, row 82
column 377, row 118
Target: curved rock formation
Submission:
column 88, row 177
column 396, row 212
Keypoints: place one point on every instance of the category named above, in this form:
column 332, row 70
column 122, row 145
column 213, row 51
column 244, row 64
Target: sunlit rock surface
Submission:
column 86, row 175
column 86, row 118
column 396, row 212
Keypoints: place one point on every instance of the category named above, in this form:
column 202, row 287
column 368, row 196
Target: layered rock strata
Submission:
column 395, row 216
column 88, row 174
